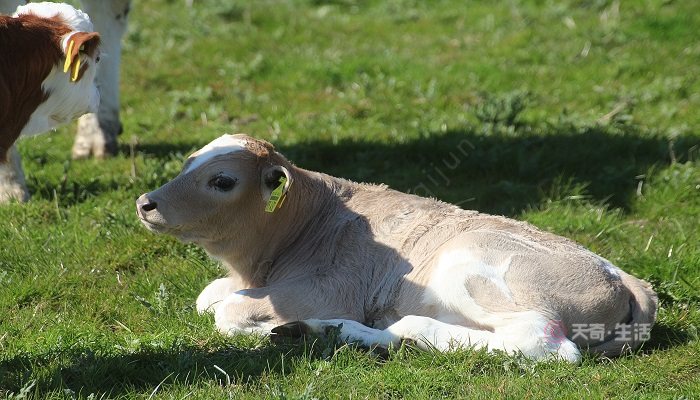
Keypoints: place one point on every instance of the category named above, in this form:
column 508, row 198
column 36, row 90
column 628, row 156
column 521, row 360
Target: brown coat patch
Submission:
column 30, row 47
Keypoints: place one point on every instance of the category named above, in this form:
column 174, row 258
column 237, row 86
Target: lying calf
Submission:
column 48, row 57
column 301, row 245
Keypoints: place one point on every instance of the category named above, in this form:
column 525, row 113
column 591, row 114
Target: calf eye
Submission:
column 223, row 183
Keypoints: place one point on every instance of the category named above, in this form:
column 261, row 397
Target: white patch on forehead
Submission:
column 223, row 145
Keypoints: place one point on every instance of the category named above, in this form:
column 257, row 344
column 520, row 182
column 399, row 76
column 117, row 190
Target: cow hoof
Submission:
column 11, row 193
column 95, row 139
column 12, row 183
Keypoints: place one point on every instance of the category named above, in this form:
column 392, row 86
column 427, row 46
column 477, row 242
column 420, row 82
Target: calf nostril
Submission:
column 149, row 206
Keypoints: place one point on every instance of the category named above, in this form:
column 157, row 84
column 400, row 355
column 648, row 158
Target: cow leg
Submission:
column 12, row 185
column 97, row 133
column 520, row 336
column 9, row 6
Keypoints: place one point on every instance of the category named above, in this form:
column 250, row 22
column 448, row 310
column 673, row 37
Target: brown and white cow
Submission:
column 387, row 266
column 48, row 62
column 97, row 133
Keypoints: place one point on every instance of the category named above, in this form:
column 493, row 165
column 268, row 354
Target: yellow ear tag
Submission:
column 277, row 196
column 76, row 69
column 66, row 65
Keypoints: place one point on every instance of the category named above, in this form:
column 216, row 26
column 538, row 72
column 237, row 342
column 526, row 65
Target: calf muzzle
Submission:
column 144, row 205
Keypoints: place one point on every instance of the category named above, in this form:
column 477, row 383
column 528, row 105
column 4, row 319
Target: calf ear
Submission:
column 79, row 42
column 276, row 181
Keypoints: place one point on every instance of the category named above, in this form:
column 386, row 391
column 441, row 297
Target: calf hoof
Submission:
column 381, row 352
column 296, row 329
column 95, row 138
column 309, row 327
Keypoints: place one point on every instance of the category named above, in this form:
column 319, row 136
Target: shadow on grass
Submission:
column 665, row 336
column 501, row 174
column 494, row 173
column 84, row 372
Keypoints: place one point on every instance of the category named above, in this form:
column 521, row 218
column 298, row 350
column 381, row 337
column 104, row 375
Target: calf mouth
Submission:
column 152, row 226
column 155, row 227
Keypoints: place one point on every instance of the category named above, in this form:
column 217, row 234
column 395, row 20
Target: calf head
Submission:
column 220, row 197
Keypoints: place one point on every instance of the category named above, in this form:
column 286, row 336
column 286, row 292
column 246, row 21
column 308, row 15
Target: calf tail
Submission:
column 632, row 333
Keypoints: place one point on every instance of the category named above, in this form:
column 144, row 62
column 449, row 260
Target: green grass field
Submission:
column 580, row 116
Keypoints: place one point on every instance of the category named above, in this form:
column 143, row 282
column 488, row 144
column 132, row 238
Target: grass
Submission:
column 579, row 116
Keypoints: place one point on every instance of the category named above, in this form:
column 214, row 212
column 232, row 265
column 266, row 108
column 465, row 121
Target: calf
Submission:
column 48, row 57
column 386, row 266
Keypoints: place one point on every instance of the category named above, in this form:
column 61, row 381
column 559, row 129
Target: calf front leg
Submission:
column 240, row 313
column 12, row 184
column 215, row 293
column 97, row 133
column 261, row 309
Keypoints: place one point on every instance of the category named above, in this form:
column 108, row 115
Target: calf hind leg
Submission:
column 518, row 338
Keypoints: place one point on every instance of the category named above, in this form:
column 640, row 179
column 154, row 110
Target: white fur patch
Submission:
column 223, row 145
column 67, row 100
column 446, row 288
column 609, row 267
column 77, row 19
